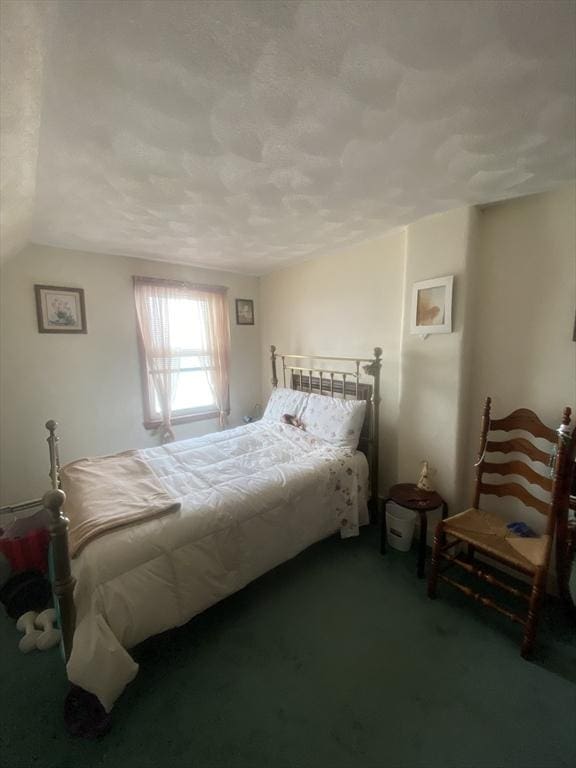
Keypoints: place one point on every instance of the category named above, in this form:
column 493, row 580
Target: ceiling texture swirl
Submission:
column 249, row 135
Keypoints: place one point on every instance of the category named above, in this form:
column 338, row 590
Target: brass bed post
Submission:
column 376, row 422
column 373, row 369
column 62, row 580
column 273, row 361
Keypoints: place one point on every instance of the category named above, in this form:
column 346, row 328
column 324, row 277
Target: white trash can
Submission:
column 400, row 524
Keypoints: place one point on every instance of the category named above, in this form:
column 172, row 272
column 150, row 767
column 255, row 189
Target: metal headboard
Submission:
column 333, row 382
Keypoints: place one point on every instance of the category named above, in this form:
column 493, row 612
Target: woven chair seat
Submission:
column 488, row 533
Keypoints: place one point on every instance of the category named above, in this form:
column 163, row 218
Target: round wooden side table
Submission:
column 409, row 496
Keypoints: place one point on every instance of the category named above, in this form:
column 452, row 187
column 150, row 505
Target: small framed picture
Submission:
column 432, row 306
column 60, row 310
column 244, row 312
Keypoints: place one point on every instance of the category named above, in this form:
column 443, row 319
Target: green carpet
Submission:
column 335, row 659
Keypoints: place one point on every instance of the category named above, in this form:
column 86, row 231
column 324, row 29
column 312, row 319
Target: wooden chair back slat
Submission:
column 518, row 491
column 527, row 421
column 518, row 445
column 518, row 468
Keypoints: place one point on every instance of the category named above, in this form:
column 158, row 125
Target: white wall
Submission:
column 91, row 383
column 433, row 376
column 525, row 301
column 343, row 304
column 514, row 302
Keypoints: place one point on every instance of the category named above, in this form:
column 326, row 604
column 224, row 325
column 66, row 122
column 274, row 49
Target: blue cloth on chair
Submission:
column 521, row 529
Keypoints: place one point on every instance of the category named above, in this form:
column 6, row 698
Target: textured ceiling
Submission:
column 246, row 135
column 24, row 28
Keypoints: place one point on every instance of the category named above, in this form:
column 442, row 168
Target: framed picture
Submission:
column 244, row 312
column 432, row 306
column 60, row 310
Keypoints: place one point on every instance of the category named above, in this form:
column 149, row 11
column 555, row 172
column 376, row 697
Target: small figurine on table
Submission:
column 424, row 483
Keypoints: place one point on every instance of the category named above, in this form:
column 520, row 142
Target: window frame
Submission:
column 183, row 415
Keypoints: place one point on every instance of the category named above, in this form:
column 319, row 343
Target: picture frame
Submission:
column 60, row 309
column 431, row 310
column 244, row 312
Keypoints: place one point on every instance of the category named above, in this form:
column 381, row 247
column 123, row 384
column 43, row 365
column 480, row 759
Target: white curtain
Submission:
column 217, row 328
column 163, row 360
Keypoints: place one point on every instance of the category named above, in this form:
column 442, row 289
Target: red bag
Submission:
column 25, row 539
column 29, row 552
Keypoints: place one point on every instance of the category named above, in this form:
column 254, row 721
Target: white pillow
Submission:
column 284, row 400
column 337, row 421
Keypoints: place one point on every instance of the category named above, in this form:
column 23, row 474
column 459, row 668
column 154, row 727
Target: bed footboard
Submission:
column 61, row 572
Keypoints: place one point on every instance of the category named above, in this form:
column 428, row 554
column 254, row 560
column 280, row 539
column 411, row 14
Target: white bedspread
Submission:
column 251, row 498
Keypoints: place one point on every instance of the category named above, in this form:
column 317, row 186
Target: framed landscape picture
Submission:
column 432, row 306
column 60, row 310
column 244, row 312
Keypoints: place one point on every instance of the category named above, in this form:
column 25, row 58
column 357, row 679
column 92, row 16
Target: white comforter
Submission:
column 251, row 497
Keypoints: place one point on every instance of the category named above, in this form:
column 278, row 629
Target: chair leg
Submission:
column 383, row 532
column 534, row 610
column 433, row 577
column 422, row 545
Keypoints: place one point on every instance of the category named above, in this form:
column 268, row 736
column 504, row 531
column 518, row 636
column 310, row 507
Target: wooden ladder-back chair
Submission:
column 487, row 533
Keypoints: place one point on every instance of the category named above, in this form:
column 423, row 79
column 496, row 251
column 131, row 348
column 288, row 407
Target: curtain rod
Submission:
column 180, row 284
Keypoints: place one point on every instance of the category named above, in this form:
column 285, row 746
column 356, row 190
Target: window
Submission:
column 192, row 391
column 184, row 344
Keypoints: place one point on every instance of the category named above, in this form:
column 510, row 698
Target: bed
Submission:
column 247, row 499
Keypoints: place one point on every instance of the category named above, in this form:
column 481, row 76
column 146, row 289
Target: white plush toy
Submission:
column 50, row 635
column 39, row 630
column 26, row 624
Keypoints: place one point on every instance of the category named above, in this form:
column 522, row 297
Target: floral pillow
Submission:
column 337, row 421
column 284, row 400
